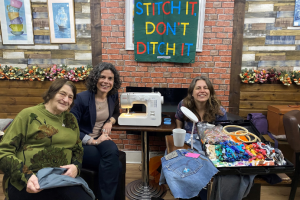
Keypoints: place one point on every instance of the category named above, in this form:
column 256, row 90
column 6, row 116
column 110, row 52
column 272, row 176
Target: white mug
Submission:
column 179, row 137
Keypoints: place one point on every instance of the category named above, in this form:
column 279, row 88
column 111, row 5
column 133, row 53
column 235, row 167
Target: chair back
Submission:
column 291, row 122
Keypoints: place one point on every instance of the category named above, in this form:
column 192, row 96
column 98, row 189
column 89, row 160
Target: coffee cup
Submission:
column 17, row 20
column 179, row 137
column 12, row 9
column 16, row 27
column 16, row 3
column 13, row 15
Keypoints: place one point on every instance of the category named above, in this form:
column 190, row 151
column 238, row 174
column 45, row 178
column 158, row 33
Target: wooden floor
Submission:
column 267, row 192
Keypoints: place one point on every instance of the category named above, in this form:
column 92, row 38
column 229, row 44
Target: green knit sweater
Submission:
column 37, row 139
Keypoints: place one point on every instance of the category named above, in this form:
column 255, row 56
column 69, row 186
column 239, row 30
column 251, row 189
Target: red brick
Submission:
column 157, row 75
column 223, row 98
column 115, row 10
column 106, row 28
column 104, row 10
column 122, row 28
column 209, row 5
column 222, row 64
column 142, row 69
column 112, row 4
column 228, row 11
column 130, row 147
column 216, row 59
column 222, row 47
column 117, row 46
column 205, row 58
column 219, row 92
column 220, row 11
column 225, row 17
column 178, row 75
column 147, row 80
column 104, row 57
column 141, row 85
column 169, row 80
column 166, row 64
column 215, row 41
column 222, row 35
column 112, row 40
column 223, row 23
column 137, row 80
column 227, row 81
column 229, row 35
column 226, row 58
column 135, row 142
column 131, row 136
column 147, row 74
column 117, row 141
column 132, row 63
column 113, row 51
column 206, row 70
column 186, row 69
column 125, row 141
column 226, row 92
column 124, row 73
column 220, row 71
column 209, row 23
column 114, row 136
column 130, row 52
column 225, row 53
column 115, row 57
column 195, row 75
column 160, row 69
column 225, row 76
column 128, row 79
column 104, row 40
column 214, row 76
column 225, row 103
column 209, row 35
column 208, row 47
column 228, row 5
column 217, row 29
column 138, row 74
column 125, row 84
column 158, row 80
column 133, row 69
column 119, row 68
column 107, row 16
column 179, row 80
column 210, row 11
column 173, row 69
column 228, row 29
column 152, row 84
column 218, row 81
column 117, row 34
column 173, row 85
column 116, row 22
column 102, row 4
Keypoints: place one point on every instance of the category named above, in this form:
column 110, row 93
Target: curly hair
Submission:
column 212, row 106
column 95, row 73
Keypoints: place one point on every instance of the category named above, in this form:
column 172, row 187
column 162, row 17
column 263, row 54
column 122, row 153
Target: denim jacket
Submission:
column 186, row 176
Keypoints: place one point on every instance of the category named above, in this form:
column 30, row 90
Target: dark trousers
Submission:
column 104, row 158
column 60, row 193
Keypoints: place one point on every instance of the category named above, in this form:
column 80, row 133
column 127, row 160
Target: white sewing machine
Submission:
column 152, row 101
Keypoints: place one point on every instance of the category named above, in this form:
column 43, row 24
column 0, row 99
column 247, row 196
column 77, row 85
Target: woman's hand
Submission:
column 33, row 185
column 106, row 129
column 102, row 138
column 72, row 170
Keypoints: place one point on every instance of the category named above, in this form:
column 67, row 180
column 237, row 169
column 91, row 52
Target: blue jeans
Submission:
column 186, row 176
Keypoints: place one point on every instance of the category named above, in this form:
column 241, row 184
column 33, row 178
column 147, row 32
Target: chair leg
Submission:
column 296, row 177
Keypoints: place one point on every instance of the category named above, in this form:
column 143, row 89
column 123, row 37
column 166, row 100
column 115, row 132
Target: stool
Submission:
column 91, row 177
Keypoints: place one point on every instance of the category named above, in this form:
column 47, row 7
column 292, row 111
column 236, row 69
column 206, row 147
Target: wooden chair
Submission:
column 291, row 122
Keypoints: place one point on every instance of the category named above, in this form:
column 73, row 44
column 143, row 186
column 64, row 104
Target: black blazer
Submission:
column 84, row 110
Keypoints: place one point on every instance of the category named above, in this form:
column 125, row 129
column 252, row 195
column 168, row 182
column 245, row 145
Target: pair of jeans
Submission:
column 104, row 158
column 186, row 176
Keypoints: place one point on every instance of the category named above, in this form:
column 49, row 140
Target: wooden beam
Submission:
column 236, row 58
column 96, row 31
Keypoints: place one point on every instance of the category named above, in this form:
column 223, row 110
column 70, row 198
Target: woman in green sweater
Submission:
column 45, row 135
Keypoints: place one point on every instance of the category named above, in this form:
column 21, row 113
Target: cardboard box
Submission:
column 275, row 117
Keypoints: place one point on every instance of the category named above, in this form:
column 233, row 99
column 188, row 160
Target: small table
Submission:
column 143, row 189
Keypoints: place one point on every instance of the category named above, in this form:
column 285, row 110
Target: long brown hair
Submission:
column 212, row 106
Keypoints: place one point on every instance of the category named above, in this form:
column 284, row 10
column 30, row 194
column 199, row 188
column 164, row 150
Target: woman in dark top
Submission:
column 96, row 110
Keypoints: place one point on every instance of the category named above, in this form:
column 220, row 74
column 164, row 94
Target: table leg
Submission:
column 143, row 188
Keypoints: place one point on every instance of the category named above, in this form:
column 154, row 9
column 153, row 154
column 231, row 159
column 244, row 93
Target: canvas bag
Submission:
column 261, row 123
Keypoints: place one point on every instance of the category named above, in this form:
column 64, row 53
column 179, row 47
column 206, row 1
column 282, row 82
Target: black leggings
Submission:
column 60, row 193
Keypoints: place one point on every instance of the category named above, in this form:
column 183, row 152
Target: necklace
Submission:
column 100, row 104
column 60, row 120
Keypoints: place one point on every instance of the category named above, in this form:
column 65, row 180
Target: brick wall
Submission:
column 213, row 62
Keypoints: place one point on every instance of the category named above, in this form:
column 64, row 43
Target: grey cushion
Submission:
column 4, row 123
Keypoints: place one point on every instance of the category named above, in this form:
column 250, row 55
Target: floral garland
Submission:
column 270, row 76
column 41, row 74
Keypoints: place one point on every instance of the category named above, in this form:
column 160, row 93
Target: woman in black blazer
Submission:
column 96, row 110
